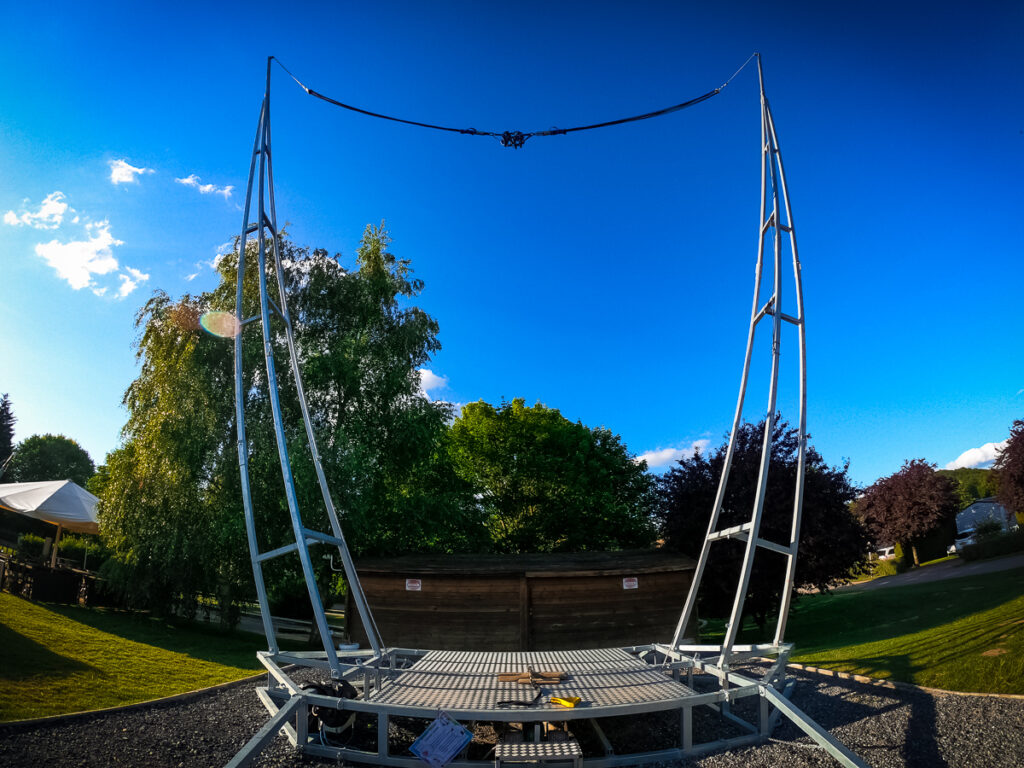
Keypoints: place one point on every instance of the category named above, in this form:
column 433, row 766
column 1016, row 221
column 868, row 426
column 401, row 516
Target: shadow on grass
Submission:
column 820, row 622
column 25, row 659
column 966, row 654
column 199, row 641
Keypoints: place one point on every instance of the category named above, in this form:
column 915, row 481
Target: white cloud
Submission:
column 665, row 457
column 222, row 250
column 978, row 457
column 80, row 262
column 206, row 189
column 125, row 173
column 49, row 216
column 190, row 278
column 127, row 285
column 430, row 380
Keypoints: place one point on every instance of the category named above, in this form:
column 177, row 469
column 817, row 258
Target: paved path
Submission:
column 950, row 569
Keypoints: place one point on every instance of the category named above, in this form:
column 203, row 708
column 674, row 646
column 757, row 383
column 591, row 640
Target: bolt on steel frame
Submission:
column 378, row 673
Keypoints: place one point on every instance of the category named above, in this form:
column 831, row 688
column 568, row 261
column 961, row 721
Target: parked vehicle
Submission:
column 981, row 512
column 886, row 553
column 963, row 539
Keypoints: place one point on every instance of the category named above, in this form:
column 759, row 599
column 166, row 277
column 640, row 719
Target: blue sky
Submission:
column 606, row 273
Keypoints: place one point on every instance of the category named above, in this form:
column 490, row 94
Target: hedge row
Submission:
column 994, row 546
column 71, row 548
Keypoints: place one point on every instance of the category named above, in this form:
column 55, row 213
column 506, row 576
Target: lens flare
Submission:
column 222, row 324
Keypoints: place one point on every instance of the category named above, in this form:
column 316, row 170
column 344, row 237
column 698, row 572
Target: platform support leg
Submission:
column 266, row 734
column 823, row 738
column 382, row 734
column 686, row 727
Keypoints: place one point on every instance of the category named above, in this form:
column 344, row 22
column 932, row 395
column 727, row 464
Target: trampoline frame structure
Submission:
column 404, row 682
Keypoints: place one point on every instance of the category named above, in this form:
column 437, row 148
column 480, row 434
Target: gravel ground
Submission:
column 888, row 728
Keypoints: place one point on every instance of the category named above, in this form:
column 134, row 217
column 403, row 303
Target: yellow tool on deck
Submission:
column 566, row 701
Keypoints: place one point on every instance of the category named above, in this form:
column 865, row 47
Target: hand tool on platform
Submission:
column 566, row 701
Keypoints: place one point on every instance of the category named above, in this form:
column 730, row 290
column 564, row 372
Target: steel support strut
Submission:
column 266, row 249
column 775, row 220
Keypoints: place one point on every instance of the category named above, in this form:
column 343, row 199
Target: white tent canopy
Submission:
column 59, row 502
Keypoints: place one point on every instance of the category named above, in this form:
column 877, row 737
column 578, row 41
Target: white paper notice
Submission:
column 631, row 582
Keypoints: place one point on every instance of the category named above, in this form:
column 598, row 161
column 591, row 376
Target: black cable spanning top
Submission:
column 516, row 139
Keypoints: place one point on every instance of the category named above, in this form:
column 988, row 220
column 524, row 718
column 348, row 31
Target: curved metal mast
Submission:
column 776, row 228
column 265, row 235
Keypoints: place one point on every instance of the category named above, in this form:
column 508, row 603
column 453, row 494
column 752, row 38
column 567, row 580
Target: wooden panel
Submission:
column 494, row 611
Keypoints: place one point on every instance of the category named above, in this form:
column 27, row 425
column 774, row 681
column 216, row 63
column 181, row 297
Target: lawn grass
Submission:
column 961, row 634
column 58, row 659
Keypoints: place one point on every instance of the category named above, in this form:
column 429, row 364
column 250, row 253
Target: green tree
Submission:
column 171, row 499
column 1010, row 466
column 908, row 505
column 832, row 540
column 972, row 483
column 50, row 457
column 549, row 485
column 7, row 420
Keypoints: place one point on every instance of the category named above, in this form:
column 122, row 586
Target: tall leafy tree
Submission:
column 547, row 484
column 832, row 541
column 7, row 420
column 50, row 457
column 972, row 483
column 1010, row 466
column 909, row 504
column 171, row 496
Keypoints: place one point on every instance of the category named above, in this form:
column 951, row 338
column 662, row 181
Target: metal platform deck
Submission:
column 463, row 681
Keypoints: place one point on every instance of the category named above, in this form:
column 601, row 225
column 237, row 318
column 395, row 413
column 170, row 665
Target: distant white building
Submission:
column 982, row 510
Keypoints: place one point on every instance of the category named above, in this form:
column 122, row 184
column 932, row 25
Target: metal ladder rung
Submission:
column 781, row 549
column 271, row 554
column 322, row 538
column 277, row 310
column 736, row 532
column 767, row 310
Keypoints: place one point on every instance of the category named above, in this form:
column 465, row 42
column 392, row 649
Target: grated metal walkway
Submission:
column 468, row 680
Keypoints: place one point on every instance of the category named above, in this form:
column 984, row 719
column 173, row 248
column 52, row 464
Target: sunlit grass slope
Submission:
column 962, row 634
column 58, row 659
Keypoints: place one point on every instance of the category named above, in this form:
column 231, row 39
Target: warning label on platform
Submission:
column 441, row 742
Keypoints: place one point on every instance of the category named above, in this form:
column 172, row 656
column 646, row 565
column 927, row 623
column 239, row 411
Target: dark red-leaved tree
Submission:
column 832, row 541
column 908, row 504
column 1011, row 469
